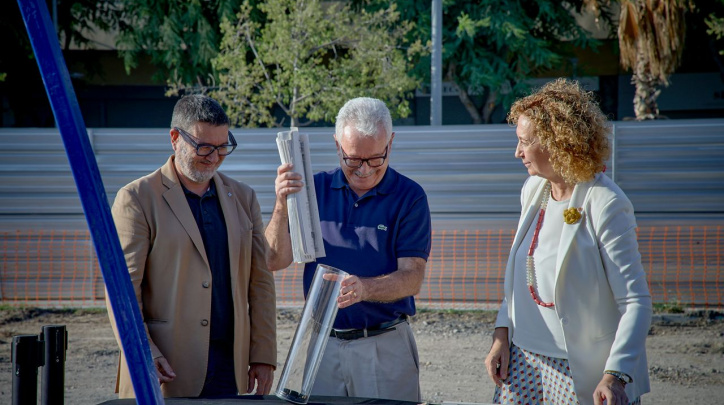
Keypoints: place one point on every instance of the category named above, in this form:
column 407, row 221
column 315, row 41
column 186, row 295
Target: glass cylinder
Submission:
column 310, row 339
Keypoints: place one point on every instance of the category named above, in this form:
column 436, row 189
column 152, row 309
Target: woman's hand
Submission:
column 610, row 389
column 499, row 357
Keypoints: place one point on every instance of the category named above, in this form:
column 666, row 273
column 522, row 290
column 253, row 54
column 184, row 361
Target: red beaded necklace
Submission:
column 529, row 264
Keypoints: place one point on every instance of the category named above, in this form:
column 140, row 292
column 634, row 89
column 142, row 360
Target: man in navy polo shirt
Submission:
column 375, row 226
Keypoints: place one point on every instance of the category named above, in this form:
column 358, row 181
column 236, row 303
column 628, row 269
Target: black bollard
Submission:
column 52, row 388
column 27, row 356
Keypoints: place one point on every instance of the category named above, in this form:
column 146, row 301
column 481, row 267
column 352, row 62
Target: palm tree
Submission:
column 651, row 37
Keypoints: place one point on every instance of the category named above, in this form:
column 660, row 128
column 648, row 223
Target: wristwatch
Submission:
column 623, row 377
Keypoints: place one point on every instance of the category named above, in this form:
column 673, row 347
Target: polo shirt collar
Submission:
column 387, row 185
column 210, row 192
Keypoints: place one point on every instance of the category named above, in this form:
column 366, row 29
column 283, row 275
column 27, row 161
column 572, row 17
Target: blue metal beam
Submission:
column 93, row 197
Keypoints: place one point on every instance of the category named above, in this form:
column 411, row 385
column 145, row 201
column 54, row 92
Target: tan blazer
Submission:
column 601, row 295
column 172, row 279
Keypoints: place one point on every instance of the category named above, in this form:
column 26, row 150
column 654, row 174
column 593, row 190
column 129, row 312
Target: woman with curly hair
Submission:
column 573, row 324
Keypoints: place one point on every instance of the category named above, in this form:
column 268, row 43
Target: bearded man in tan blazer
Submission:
column 194, row 243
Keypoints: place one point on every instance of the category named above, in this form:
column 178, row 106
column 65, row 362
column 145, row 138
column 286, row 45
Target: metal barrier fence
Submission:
column 465, row 270
column 673, row 172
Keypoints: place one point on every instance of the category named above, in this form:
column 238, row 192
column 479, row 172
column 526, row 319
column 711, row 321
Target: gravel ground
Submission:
column 686, row 354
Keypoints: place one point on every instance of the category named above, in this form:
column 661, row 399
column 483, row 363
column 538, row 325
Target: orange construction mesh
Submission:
column 465, row 270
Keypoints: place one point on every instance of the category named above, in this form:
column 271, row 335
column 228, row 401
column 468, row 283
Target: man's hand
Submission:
column 279, row 255
column 287, row 182
column 163, row 370
column 261, row 375
column 403, row 282
column 352, row 290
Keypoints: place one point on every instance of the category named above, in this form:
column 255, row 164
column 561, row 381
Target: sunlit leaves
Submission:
column 308, row 58
column 493, row 46
column 180, row 37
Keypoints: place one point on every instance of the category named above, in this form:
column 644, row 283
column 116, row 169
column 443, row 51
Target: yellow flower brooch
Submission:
column 572, row 215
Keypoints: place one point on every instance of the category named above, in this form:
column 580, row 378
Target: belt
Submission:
column 352, row 334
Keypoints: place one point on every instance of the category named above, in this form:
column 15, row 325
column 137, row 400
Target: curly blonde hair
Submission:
column 570, row 126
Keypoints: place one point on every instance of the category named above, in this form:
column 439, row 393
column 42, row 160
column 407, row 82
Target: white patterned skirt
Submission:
column 537, row 379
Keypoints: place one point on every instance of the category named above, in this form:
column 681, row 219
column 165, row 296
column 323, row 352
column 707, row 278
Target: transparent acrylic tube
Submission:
column 310, row 339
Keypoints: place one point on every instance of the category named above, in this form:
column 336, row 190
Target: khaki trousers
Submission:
column 384, row 366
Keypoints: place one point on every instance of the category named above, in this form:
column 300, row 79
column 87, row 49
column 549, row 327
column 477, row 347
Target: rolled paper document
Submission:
column 304, row 225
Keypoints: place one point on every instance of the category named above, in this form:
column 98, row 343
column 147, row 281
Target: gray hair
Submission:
column 195, row 108
column 365, row 115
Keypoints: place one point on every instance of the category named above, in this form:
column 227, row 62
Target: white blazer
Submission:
column 601, row 295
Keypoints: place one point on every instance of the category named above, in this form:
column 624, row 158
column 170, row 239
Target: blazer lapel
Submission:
column 174, row 196
column 231, row 218
column 531, row 210
column 569, row 232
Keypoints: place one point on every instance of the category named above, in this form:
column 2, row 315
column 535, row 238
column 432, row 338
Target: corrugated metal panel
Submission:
column 469, row 172
column 671, row 166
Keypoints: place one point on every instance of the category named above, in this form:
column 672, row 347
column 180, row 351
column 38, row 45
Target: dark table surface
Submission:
column 267, row 399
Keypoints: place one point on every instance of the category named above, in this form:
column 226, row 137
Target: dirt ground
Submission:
column 686, row 354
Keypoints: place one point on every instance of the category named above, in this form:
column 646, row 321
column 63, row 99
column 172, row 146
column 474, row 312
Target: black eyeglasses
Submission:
column 205, row 149
column 356, row 163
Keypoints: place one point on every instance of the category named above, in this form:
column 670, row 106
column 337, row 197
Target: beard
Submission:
column 185, row 158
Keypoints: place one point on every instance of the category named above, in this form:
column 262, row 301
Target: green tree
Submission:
column 716, row 27
column 490, row 47
column 180, row 37
column 308, row 58
column 715, row 24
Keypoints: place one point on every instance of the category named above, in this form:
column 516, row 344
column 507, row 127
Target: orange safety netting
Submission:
column 465, row 270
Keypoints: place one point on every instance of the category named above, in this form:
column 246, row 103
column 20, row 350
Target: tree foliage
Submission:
column 492, row 46
column 715, row 24
column 308, row 58
column 716, row 27
column 77, row 22
column 181, row 37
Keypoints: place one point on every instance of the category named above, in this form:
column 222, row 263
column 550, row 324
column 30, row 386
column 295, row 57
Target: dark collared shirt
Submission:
column 365, row 236
column 210, row 220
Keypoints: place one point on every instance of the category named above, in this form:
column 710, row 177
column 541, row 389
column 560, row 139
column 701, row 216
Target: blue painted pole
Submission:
column 93, row 197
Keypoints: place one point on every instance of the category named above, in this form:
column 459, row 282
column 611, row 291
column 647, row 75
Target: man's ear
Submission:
column 174, row 137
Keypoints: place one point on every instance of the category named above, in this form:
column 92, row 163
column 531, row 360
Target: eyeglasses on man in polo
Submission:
column 356, row 163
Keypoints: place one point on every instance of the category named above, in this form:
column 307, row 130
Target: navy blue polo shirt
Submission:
column 210, row 220
column 365, row 236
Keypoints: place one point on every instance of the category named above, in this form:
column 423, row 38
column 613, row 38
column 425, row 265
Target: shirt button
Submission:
column 205, row 284
column 204, row 322
column 356, row 205
column 564, row 321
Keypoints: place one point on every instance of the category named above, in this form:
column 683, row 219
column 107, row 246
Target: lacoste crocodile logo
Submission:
column 381, row 227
